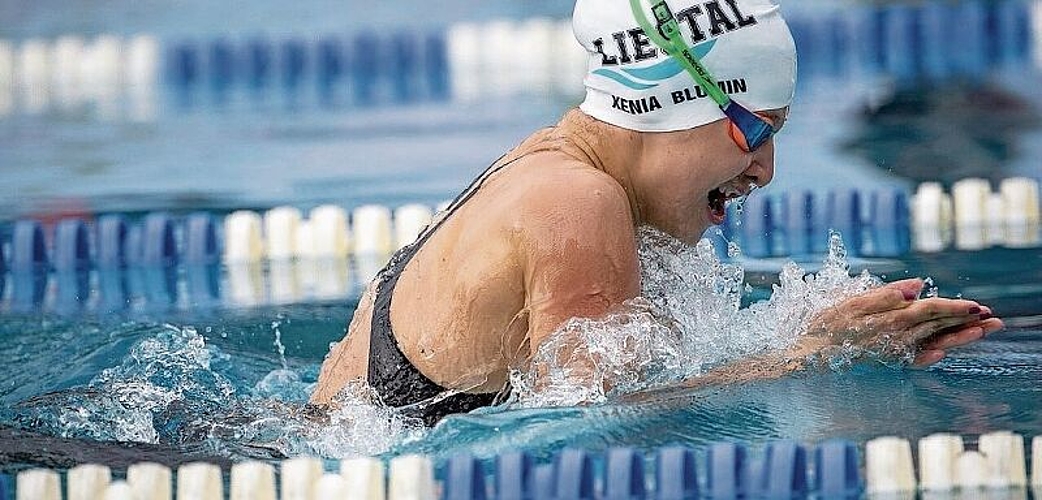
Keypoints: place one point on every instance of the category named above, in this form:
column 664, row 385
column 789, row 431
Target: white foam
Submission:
column 359, row 427
column 688, row 321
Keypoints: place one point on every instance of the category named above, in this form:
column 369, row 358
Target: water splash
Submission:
column 144, row 397
column 172, row 388
column 688, row 321
column 279, row 346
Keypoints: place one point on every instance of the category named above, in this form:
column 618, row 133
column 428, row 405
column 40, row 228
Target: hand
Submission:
column 890, row 320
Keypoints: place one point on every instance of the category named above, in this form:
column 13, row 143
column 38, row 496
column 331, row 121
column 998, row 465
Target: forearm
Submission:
column 767, row 366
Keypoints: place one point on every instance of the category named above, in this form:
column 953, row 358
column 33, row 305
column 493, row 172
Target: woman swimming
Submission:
column 548, row 232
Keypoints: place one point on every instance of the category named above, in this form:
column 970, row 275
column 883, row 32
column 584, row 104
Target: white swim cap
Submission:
column 633, row 84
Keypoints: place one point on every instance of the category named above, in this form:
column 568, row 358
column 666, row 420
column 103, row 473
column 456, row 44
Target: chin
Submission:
column 689, row 235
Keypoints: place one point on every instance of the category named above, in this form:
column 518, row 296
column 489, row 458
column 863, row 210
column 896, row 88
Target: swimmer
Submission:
column 548, row 232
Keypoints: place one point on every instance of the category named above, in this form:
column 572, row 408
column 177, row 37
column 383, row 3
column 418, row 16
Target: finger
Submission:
column 910, row 288
column 893, row 296
column 941, row 327
column 928, row 357
column 992, row 325
column 956, row 338
column 931, row 309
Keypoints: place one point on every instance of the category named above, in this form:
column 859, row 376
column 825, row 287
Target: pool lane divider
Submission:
column 904, row 44
column 162, row 259
column 783, row 470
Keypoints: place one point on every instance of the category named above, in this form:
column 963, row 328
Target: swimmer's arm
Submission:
column 889, row 320
column 348, row 360
column 578, row 253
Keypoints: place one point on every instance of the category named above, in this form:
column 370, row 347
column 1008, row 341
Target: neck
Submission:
column 610, row 149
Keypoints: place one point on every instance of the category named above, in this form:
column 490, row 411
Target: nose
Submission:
column 761, row 169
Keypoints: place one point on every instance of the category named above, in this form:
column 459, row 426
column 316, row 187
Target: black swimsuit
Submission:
column 395, row 379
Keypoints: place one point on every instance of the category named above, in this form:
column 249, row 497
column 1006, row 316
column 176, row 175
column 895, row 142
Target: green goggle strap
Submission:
column 667, row 37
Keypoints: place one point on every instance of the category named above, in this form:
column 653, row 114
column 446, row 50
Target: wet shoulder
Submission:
column 566, row 191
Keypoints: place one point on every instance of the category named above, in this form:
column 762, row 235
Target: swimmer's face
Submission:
column 690, row 175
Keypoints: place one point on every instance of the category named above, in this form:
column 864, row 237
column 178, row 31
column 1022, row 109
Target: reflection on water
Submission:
column 948, row 132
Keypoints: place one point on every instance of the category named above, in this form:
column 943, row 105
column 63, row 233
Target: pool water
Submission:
column 230, row 384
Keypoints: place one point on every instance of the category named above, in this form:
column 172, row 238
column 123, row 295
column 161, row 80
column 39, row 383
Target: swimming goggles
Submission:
column 749, row 130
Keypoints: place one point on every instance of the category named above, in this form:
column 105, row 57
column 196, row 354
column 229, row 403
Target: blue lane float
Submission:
column 757, row 227
column 201, row 245
column 798, row 219
column 971, row 54
column 183, row 65
column 294, row 64
column 111, row 240
column 258, row 62
column 465, row 479
column 675, row 473
column 133, row 246
column 890, row 216
column 365, row 67
column 514, row 476
column 436, row 66
column 28, row 249
column 726, row 477
column 783, row 474
column 544, row 481
column 575, row 479
column 403, row 66
column 332, row 65
column 1015, row 34
column 221, row 65
column 837, row 474
column 936, row 30
column 158, row 243
column 71, row 246
column 112, row 290
column 843, row 214
column 624, row 475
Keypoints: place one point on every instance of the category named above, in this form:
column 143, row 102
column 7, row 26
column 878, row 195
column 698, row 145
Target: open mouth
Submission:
column 718, row 200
